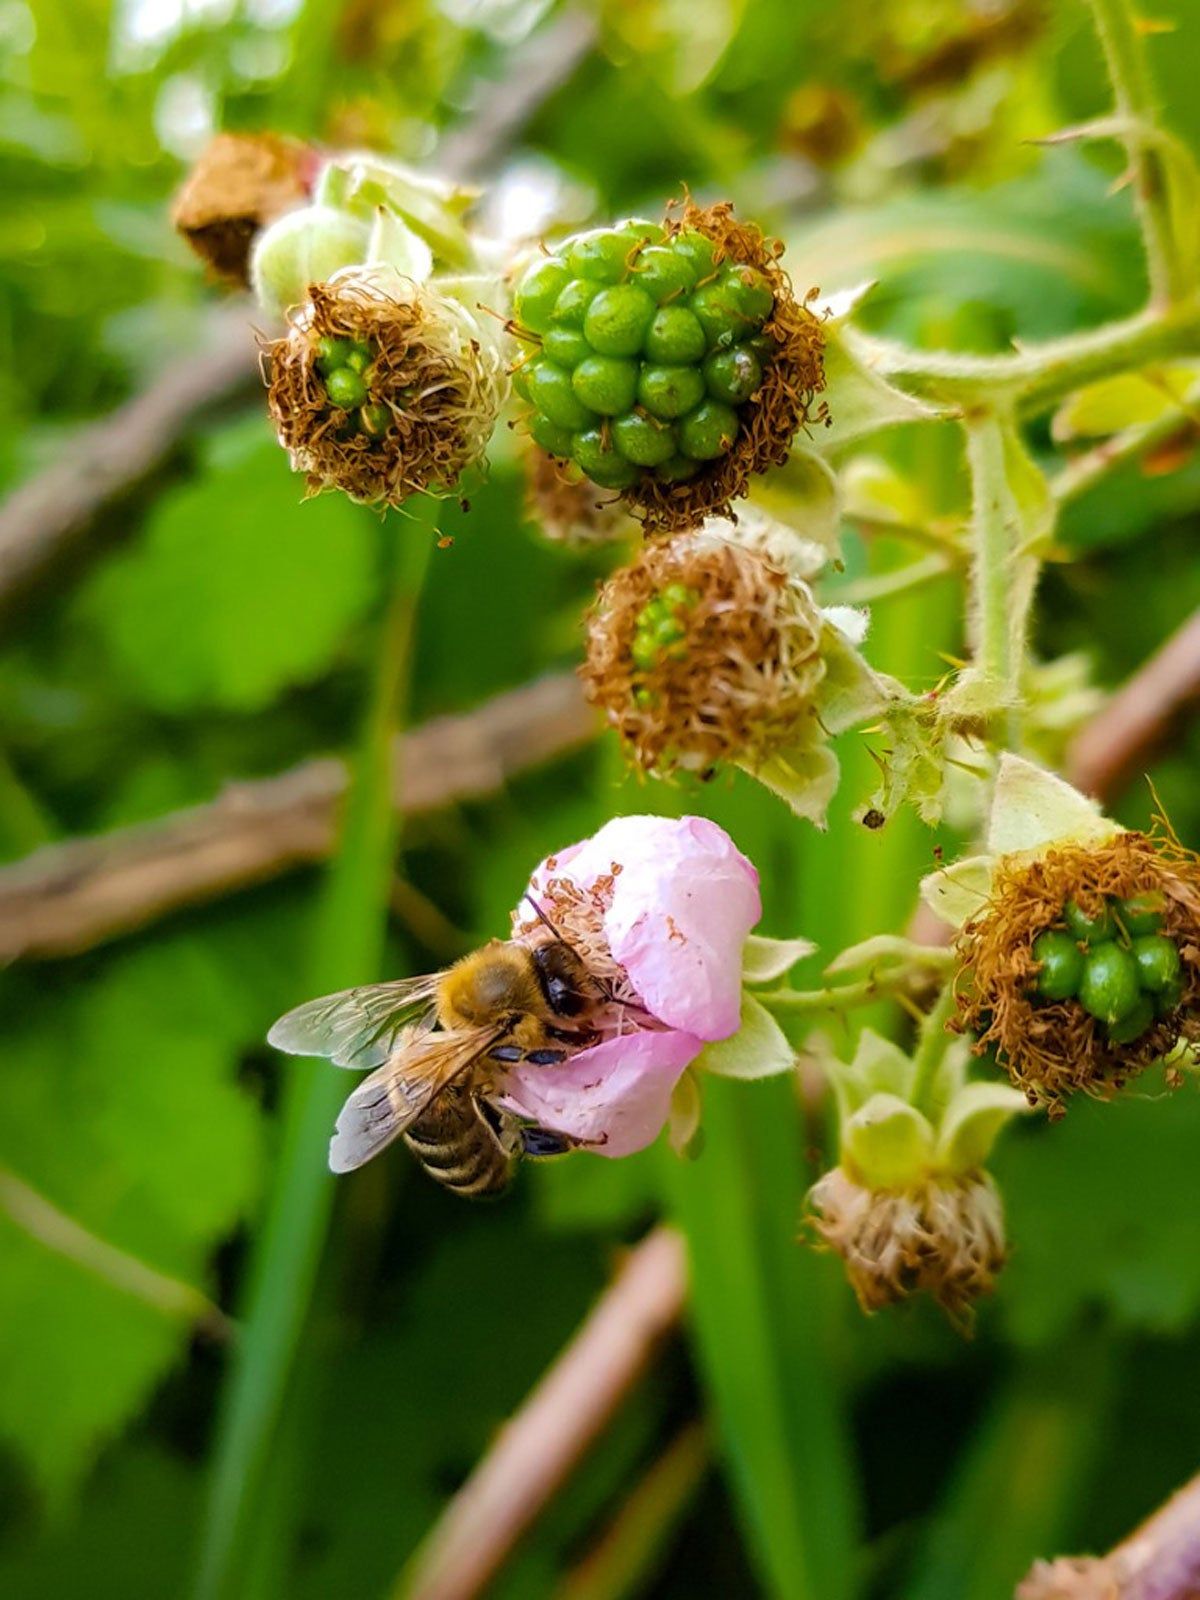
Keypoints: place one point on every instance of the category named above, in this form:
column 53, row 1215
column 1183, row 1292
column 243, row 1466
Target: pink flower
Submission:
column 659, row 908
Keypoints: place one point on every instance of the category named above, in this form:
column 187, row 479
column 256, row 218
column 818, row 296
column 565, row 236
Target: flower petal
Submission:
column 614, row 1097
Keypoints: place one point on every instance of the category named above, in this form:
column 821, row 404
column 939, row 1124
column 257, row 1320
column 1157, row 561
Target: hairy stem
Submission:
column 931, row 1048
column 1171, row 276
column 997, row 640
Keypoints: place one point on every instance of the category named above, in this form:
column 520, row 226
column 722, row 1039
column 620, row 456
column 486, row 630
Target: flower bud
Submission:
column 240, row 183
column 304, row 248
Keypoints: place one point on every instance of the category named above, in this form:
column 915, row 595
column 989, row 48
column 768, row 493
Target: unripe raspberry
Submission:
column 689, row 324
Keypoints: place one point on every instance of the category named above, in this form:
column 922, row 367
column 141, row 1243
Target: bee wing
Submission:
column 357, row 1027
column 392, row 1098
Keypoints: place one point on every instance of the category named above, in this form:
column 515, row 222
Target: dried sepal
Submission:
column 1051, row 1048
column 786, row 403
column 437, row 371
column 239, row 183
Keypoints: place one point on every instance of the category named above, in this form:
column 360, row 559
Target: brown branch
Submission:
column 68, row 897
column 1122, row 739
column 50, row 516
column 539, row 1447
column 1160, row 1560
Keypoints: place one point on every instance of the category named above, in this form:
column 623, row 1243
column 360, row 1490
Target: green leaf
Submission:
column 764, row 959
column 1130, row 400
column 236, row 590
column 759, row 1049
column 120, row 1108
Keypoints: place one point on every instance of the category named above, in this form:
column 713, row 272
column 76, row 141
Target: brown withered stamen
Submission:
column 1050, row 1049
column 786, row 400
column 239, row 183
column 943, row 1237
column 441, row 383
column 742, row 679
column 568, row 508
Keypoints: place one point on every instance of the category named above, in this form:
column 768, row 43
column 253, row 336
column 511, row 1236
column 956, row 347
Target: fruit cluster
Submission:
column 648, row 351
column 660, row 632
column 344, row 367
column 1119, row 965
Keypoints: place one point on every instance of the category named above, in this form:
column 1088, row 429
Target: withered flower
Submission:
column 239, row 183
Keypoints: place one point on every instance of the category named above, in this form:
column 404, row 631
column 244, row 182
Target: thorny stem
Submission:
column 999, row 630
column 1036, row 377
column 1171, row 276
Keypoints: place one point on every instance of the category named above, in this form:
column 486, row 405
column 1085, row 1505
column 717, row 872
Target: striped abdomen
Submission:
column 457, row 1145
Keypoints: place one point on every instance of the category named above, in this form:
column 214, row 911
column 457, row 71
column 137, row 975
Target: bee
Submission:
column 438, row 1045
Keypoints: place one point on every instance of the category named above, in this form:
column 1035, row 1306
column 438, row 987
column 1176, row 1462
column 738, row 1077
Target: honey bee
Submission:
column 438, row 1045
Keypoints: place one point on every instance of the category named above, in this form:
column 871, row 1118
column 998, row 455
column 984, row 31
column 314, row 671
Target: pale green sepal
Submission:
column 302, row 248
column 683, row 1118
column 888, row 953
column 959, row 892
column 850, row 693
column 1033, row 808
column 972, row 1122
column 805, row 775
column 395, row 245
column 879, row 1067
column 814, row 502
column 887, row 1144
column 759, row 1049
column 431, row 207
column 860, row 401
column 764, row 959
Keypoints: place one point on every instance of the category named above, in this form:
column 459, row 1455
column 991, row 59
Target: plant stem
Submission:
column 1036, row 376
column 997, row 639
column 1170, row 276
column 931, row 1047
column 348, row 948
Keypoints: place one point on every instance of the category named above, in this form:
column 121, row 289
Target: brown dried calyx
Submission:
column 441, row 379
column 239, row 183
column 943, row 1237
column 568, row 508
column 736, row 681
column 1050, row 1049
column 785, row 402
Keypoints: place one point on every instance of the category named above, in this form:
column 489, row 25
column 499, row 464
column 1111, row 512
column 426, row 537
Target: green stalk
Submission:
column 998, row 609
column 757, row 1320
column 1171, row 275
column 931, row 1047
column 348, row 949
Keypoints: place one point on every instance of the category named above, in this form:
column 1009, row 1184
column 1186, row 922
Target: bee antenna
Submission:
column 543, row 918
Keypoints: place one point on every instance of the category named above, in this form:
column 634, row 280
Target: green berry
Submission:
column 1109, row 986
column 1166, row 1001
column 331, row 354
column 1142, row 913
column 601, row 462
column 572, row 304
column 678, row 594
column 644, row 652
column 617, row 320
column 538, row 293
column 605, row 384
column 670, row 392
column 642, row 440
column 1134, row 1025
column 551, row 392
column 601, row 255
column 667, row 631
column 697, row 250
column 662, row 272
column 345, row 388
column 1158, row 963
column 1090, row 929
column 732, row 374
column 1060, row 962
column 675, row 336
column 566, row 346
column 749, row 293
column 375, row 420
column 520, row 379
column 722, row 322
column 678, row 470
column 359, row 356
column 708, row 432
column 644, row 698
column 555, row 440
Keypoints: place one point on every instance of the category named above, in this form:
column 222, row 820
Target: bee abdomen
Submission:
column 459, row 1150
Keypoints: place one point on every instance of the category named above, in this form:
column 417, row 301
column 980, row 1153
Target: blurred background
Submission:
column 175, row 621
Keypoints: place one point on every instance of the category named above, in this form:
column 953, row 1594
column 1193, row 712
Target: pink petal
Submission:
column 682, row 908
column 613, row 1097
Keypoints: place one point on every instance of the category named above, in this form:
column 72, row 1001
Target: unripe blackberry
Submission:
column 684, row 333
